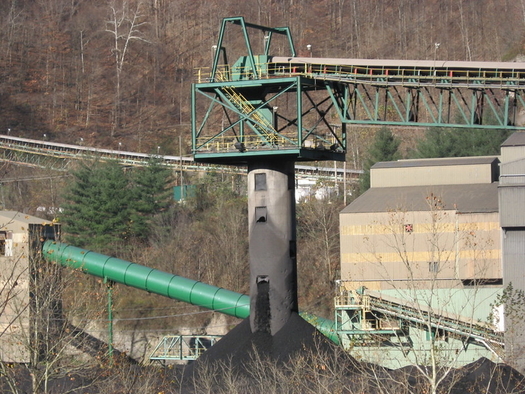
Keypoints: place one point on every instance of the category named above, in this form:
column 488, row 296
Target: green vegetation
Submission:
column 108, row 205
column 440, row 142
column 385, row 147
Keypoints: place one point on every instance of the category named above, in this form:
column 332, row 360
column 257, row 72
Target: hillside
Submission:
column 110, row 72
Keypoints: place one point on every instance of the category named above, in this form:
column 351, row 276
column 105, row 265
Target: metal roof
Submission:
column 475, row 198
column 448, row 161
column 516, row 139
column 8, row 217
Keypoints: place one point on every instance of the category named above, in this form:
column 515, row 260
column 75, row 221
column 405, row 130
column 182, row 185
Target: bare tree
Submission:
column 319, row 231
column 126, row 22
column 55, row 338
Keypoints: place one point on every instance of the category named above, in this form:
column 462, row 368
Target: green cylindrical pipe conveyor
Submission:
column 148, row 279
column 162, row 283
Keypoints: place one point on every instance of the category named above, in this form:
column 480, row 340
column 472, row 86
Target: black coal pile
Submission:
column 481, row 376
column 240, row 345
column 300, row 359
column 294, row 359
column 488, row 377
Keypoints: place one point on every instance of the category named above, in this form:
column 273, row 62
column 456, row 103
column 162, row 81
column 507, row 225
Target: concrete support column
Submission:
column 272, row 230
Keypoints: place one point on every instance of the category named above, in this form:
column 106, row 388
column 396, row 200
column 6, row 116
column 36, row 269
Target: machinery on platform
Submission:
column 271, row 108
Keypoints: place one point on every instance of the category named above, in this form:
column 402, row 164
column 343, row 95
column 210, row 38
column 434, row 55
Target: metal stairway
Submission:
column 260, row 123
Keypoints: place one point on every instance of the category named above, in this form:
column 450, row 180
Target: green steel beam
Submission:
column 452, row 107
column 247, row 112
column 268, row 31
column 442, row 94
column 182, row 347
column 239, row 97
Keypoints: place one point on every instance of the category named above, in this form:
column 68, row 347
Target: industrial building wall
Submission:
column 19, row 234
column 512, row 220
column 14, row 300
column 513, row 148
column 512, row 201
column 451, row 171
column 431, row 260
column 403, row 249
column 513, row 275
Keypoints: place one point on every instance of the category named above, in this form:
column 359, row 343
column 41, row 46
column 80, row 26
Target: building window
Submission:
column 260, row 181
column 433, row 266
column 6, row 243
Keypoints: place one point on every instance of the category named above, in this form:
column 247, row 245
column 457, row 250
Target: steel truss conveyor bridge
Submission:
column 58, row 156
column 299, row 107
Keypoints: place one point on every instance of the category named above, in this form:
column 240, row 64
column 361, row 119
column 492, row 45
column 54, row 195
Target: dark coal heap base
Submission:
column 236, row 349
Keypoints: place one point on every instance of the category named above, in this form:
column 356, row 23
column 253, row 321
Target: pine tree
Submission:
column 99, row 209
column 108, row 206
column 151, row 194
column 384, row 148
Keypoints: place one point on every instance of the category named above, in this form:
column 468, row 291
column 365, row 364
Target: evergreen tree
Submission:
column 384, row 148
column 151, row 194
column 108, row 206
column 99, row 206
column 460, row 142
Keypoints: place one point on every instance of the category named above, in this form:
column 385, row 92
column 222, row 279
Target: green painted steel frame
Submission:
column 180, row 347
column 454, row 106
column 9, row 154
column 309, row 97
column 239, row 20
column 406, row 315
column 248, row 111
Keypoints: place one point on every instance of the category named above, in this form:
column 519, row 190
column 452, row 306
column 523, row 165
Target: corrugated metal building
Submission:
column 426, row 236
column 450, row 203
column 512, row 219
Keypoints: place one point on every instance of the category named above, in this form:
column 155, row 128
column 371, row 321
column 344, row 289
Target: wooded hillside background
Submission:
column 117, row 74
column 119, row 71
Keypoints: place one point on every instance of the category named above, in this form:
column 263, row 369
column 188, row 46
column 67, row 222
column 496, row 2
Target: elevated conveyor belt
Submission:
column 404, row 72
column 57, row 156
column 419, row 315
column 333, row 93
column 163, row 283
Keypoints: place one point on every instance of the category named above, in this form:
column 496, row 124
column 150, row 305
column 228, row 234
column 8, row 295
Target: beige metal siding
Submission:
column 14, row 288
column 512, row 153
column 376, row 248
column 514, row 274
column 14, row 301
column 512, row 205
column 436, row 175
